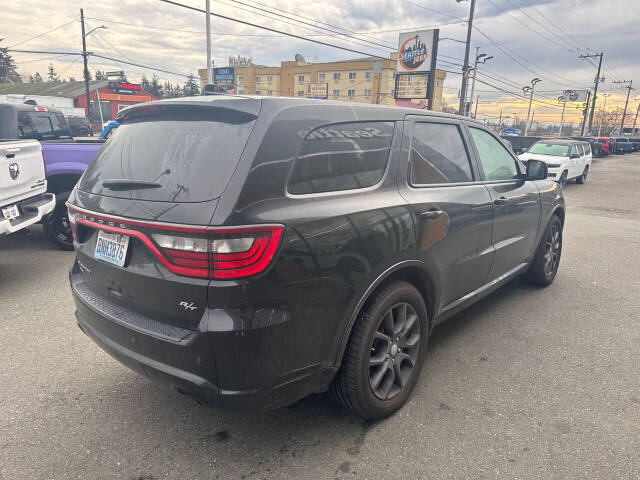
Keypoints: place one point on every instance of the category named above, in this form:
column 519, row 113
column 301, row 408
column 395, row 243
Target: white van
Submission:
column 566, row 159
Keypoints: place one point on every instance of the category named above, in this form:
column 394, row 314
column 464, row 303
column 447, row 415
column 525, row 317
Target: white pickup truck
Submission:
column 23, row 185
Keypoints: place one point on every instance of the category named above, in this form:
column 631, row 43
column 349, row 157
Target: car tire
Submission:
column 83, row 132
column 582, row 179
column 378, row 372
column 544, row 266
column 563, row 179
column 56, row 224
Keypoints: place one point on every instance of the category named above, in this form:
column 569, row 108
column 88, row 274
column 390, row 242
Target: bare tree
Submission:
column 240, row 61
column 607, row 121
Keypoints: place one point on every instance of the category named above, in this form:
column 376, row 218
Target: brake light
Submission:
column 204, row 252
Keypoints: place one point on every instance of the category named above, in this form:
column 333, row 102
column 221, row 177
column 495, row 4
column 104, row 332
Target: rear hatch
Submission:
column 21, row 170
column 142, row 209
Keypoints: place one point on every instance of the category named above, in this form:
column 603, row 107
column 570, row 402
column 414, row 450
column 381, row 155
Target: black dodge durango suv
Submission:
column 251, row 251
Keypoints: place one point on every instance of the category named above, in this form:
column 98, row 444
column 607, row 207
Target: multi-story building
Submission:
column 352, row 80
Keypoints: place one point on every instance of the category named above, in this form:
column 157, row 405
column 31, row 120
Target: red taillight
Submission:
column 204, row 252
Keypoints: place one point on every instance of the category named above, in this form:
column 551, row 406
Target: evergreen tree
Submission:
column 36, row 77
column 8, row 71
column 99, row 75
column 52, row 76
column 190, row 87
column 154, row 86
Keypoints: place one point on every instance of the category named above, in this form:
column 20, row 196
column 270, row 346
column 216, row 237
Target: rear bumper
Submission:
column 184, row 359
column 31, row 211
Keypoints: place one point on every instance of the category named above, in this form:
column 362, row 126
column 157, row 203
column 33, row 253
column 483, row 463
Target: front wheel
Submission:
column 57, row 226
column 582, row 179
column 385, row 353
column 563, row 179
column 545, row 263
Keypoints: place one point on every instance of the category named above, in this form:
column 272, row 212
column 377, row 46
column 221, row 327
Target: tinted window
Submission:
column 587, row 149
column 342, row 157
column 438, row 155
column 496, row 161
column 191, row 152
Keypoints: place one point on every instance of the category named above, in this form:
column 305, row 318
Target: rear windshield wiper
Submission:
column 126, row 184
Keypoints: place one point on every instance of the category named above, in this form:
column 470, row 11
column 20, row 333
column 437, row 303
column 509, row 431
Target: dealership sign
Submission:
column 126, row 88
column 224, row 77
column 415, row 51
column 576, row 95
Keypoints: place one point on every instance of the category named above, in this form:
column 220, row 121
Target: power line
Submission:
column 45, row 33
column 316, row 21
column 553, row 22
column 225, row 17
column 117, row 60
column 434, row 10
column 298, row 25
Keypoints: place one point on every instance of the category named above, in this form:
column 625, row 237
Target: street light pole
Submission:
column 595, row 88
column 533, row 85
column 564, row 106
column 484, row 58
column 633, row 130
column 208, row 30
column 465, row 68
column 86, row 67
column 624, row 114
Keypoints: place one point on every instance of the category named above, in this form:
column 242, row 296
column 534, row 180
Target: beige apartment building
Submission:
column 350, row 80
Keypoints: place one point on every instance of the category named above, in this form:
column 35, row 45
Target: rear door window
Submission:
column 438, row 155
column 587, row 149
column 190, row 152
column 496, row 161
column 343, row 156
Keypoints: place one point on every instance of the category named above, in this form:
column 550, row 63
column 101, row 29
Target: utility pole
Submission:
column 85, row 56
column 595, row 87
column 633, row 129
column 606, row 95
column 208, row 29
column 624, row 114
column 532, row 115
column 465, row 68
column 531, row 88
column 584, row 114
column 475, row 114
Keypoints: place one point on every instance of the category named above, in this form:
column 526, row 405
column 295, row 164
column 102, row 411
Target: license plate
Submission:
column 11, row 212
column 112, row 247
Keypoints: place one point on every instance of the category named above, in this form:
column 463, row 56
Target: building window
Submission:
column 336, row 76
column 258, row 78
column 258, row 92
column 408, row 78
column 336, row 93
column 418, row 90
column 352, row 75
column 301, row 93
column 240, row 91
column 439, row 83
column 367, row 93
column 368, row 75
column 351, row 92
column 270, row 93
column 321, row 77
column 269, row 78
column 300, row 78
column 240, row 78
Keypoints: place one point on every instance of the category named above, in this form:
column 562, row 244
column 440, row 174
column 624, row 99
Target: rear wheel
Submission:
column 57, row 226
column 545, row 263
column 384, row 357
column 582, row 179
column 83, row 132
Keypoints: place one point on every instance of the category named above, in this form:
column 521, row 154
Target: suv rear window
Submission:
column 190, row 151
column 344, row 156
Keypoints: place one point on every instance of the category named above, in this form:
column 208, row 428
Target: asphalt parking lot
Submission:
column 528, row 383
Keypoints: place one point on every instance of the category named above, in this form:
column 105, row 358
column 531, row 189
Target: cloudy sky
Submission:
column 527, row 39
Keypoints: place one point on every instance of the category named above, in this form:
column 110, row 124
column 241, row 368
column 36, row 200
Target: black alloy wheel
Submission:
column 563, row 179
column 57, row 226
column 582, row 179
column 552, row 248
column 394, row 351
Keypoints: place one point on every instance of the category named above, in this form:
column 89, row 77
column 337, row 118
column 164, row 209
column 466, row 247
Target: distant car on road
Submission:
column 625, row 144
column 520, row 143
column 80, row 126
column 41, row 123
column 250, row 251
column 566, row 159
column 606, row 145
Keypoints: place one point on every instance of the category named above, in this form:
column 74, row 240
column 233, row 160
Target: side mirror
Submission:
column 537, row 170
column 575, row 155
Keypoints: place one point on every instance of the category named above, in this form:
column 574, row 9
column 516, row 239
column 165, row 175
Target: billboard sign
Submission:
column 576, row 95
column 415, row 51
column 126, row 88
column 318, row 90
column 224, row 77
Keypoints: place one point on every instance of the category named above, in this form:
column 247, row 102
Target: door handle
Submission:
column 500, row 201
column 431, row 214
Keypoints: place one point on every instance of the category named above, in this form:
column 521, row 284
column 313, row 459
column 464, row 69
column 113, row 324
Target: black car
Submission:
column 41, row 123
column 249, row 251
column 80, row 126
column 596, row 146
